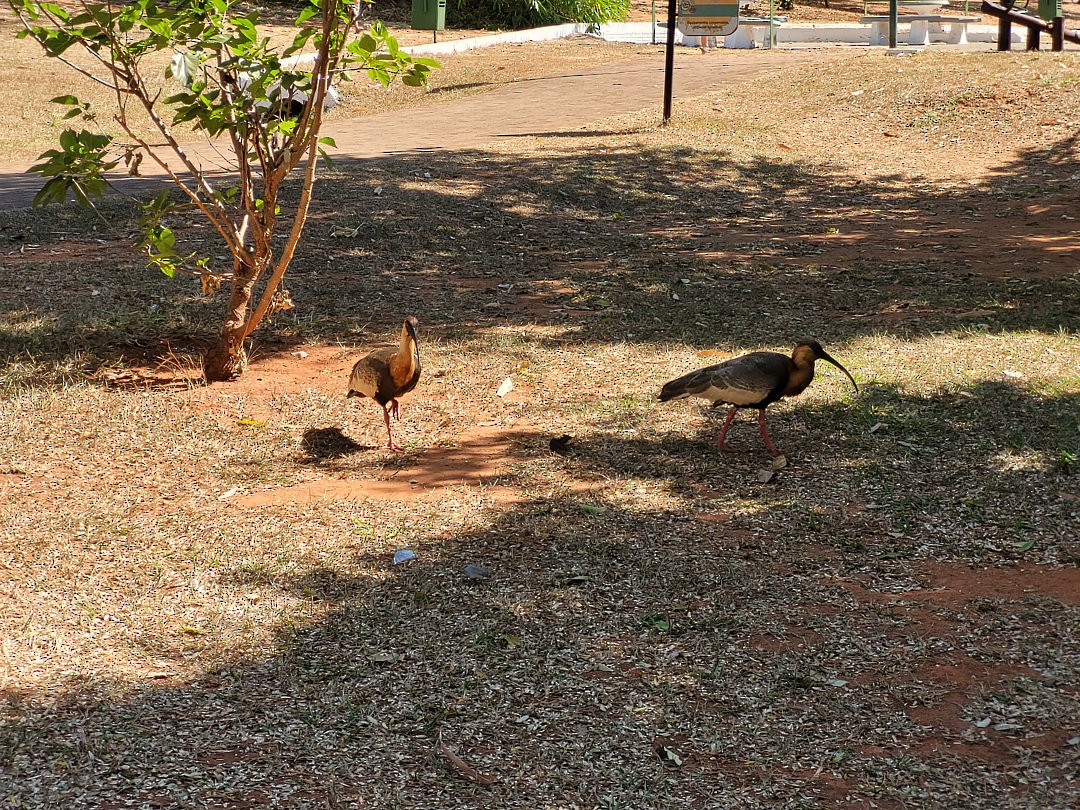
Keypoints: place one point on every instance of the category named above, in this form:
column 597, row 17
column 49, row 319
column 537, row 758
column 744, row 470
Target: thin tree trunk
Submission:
column 228, row 359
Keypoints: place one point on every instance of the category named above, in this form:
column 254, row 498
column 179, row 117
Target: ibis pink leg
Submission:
column 765, row 433
column 724, row 429
column 389, row 433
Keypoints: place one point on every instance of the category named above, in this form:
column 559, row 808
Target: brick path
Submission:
column 551, row 104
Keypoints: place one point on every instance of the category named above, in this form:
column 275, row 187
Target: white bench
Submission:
column 925, row 28
column 753, row 32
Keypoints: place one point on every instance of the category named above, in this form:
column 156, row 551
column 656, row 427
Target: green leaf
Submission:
column 328, row 141
column 592, row 509
column 655, row 620
column 1027, row 545
column 65, row 100
column 305, row 15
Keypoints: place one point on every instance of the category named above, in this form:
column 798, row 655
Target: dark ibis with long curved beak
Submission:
column 754, row 380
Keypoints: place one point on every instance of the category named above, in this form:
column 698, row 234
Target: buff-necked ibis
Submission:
column 754, row 380
column 388, row 373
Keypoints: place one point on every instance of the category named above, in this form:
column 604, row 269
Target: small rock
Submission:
column 478, row 573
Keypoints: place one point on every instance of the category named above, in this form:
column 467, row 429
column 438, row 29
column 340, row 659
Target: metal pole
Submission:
column 892, row 23
column 772, row 33
column 654, row 22
column 669, row 60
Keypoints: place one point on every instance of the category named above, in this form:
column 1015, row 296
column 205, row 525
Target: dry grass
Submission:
column 889, row 620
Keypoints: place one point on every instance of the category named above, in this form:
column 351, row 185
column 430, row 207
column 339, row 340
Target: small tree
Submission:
column 267, row 102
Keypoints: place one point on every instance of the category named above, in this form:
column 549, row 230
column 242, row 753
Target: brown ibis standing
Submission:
column 388, row 373
column 754, row 380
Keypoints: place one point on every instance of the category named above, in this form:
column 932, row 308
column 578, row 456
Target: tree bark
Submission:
column 228, row 359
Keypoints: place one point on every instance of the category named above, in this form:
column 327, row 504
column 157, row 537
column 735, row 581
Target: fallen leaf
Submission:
column 877, row 426
column 785, row 147
column 192, row 631
column 250, row 423
column 463, row 767
column 983, row 723
column 779, row 463
column 226, row 495
column 1016, row 375
column 592, row 509
column 506, row 387
column 890, row 134
column 764, row 476
column 1052, row 122
column 403, row 555
column 668, row 756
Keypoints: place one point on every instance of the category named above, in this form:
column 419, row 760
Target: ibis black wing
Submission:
column 754, row 379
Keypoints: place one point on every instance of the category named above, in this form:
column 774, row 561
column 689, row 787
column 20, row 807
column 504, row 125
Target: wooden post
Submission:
column 1032, row 38
column 892, row 24
column 1004, row 34
column 1057, row 34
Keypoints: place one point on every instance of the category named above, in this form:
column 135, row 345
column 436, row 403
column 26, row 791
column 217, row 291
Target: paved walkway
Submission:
column 554, row 104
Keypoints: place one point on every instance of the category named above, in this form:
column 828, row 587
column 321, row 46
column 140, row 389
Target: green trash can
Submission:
column 1048, row 9
column 430, row 15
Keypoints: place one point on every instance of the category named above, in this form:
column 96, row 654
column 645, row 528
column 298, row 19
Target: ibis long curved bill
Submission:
column 830, row 359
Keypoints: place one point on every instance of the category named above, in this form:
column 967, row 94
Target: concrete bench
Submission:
column 925, row 28
column 753, row 32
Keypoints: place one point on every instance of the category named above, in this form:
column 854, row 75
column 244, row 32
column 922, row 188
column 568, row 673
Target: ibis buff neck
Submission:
column 802, row 371
column 408, row 350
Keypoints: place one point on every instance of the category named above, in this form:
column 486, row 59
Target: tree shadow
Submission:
column 606, row 244
column 681, row 609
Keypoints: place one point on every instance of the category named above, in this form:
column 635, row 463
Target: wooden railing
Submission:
column 1035, row 26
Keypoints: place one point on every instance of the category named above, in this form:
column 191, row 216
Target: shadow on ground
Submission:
column 601, row 244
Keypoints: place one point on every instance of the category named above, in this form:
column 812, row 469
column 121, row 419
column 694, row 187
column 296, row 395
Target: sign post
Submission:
column 695, row 20
column 669, row 59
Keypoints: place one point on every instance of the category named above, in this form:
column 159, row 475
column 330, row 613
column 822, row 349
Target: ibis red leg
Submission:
column 723, row 431
column 765, row 433
column 394, row 409
column 386, row 418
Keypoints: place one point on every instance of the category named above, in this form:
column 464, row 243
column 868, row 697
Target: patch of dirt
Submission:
column 958, row 585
